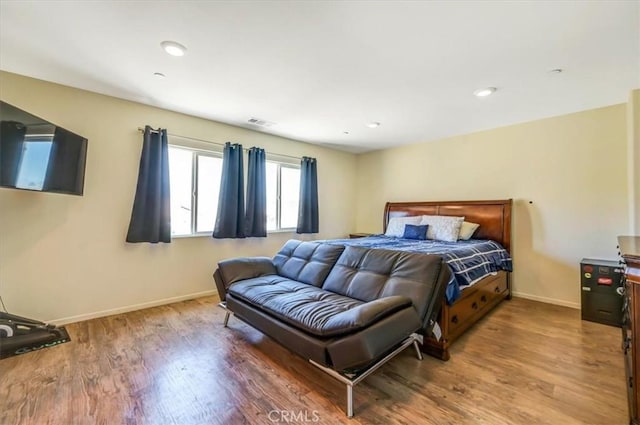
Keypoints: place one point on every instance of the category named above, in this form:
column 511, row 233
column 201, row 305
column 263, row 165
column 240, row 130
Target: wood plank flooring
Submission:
column 526, row 363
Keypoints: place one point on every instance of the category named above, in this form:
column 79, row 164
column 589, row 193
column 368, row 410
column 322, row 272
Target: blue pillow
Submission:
column 412, row 231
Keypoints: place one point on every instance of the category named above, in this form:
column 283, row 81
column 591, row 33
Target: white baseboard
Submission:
column 133, row 307
column 546, row 300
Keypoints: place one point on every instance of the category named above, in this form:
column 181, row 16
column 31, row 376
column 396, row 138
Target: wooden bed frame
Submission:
column 494, row 218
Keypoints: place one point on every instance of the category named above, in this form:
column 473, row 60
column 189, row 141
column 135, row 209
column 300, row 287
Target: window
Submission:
column 283, row 192
column 195, row 176
column 195, row 185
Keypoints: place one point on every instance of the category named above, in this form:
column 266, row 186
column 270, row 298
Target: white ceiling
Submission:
column 318, row 69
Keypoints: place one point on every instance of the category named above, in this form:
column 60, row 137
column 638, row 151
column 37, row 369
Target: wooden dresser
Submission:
column 629, row 247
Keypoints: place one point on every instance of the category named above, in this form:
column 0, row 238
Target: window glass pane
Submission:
column 209, row 175
column 180, row 177
column 272, row 195
column 34, row 164
column 290, row 194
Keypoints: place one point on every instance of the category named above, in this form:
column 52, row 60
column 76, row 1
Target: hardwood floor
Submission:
column 525, row 363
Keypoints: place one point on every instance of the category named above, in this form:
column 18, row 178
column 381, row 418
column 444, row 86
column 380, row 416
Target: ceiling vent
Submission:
column 260, row 123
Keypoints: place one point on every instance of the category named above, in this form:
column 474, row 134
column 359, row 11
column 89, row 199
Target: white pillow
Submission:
column 395, row 227
column 442, row 227
column 467, row 229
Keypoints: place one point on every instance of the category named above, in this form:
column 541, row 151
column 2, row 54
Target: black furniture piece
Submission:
column 347, row 310
column 20, row 335
column 601, row 289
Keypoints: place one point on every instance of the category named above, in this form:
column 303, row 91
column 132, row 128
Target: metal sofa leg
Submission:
column 227, row 314
column 350, row 400
column 417, row 347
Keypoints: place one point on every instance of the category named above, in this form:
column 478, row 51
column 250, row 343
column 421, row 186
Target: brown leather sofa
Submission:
column 347, row 310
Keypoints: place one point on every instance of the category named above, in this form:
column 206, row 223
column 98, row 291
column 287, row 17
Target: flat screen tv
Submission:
column 38, row 155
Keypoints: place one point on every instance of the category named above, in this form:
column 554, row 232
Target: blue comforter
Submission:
column 469, row 261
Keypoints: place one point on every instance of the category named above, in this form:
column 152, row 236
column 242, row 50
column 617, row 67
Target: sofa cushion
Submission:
column 307, row 262
column 312, row 309
column 369, row 274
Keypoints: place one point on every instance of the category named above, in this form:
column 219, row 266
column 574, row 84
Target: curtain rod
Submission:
column 141, row 130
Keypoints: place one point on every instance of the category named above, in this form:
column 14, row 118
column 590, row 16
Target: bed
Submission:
column 465, row 303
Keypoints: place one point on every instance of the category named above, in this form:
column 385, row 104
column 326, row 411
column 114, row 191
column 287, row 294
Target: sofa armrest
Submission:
column 234, row 270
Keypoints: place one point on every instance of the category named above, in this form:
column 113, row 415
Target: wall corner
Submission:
column 633, row 160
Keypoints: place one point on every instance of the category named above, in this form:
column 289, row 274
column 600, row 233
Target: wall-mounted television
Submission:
column 38, row 155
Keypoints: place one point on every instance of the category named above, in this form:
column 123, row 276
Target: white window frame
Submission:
column 195, row 195
column 281, row 164
column 196, row 149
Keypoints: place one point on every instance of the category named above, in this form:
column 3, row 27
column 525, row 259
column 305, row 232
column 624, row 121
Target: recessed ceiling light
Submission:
column 373, row 124
column 159, row 75
column 173, row 48
column 485, row 92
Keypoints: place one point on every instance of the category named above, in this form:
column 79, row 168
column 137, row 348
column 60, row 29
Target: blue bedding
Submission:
column 469, row 261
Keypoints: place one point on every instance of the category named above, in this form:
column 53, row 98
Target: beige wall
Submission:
column 572, row 168
column 64, row 257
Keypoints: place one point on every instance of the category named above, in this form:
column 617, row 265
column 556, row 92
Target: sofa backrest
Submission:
column 306, row 262
column 369, row 274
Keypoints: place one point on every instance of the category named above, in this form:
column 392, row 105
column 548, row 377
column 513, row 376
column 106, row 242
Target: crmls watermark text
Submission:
column 292, row 416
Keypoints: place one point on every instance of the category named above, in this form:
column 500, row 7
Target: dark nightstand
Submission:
column 359, row 235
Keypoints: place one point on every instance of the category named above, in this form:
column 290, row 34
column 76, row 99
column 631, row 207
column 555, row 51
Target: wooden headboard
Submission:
column 494, row 217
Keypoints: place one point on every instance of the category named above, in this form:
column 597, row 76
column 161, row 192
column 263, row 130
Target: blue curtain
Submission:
column 151, row 214
column 256, row 214
column 230, row 220
column 308, row 206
